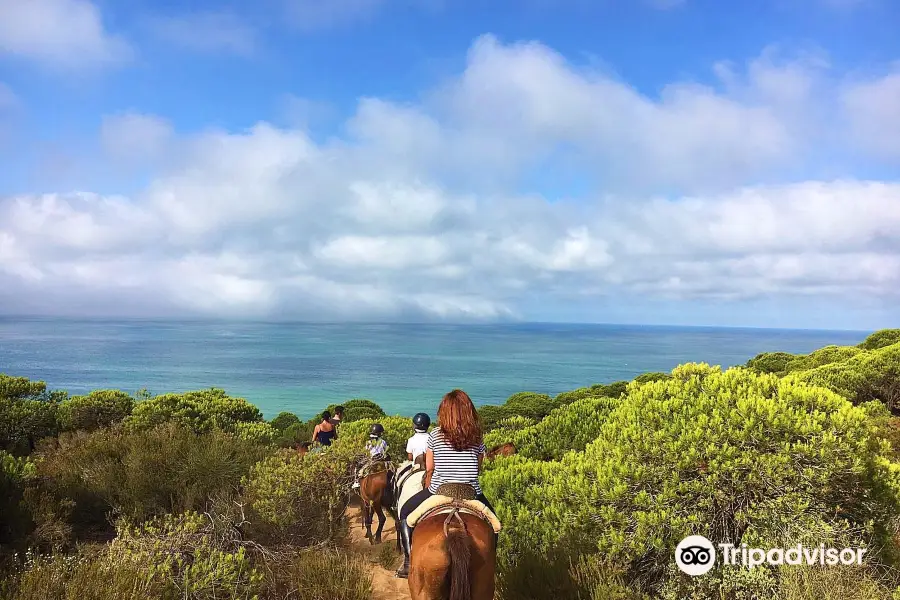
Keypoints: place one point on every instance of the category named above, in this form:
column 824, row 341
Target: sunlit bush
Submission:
column 770, row 362
column 100, row 408
column 869, row 375
column 200, row 411
column 881, row 339
column 28, row 413
column 733, row 456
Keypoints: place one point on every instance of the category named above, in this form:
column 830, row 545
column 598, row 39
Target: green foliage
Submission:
column 869, row 375
column 531, row 405
column 491, row 416
column 651, row 377
column 100, row 408
column 321, row 575
column 142, row 474
column 15, row 519
column 201, row 411
column 358, row 409
column 300, row 500
column 284, row 420
column 397, row 431
column 568, row 428
column 21, row 388
column 185, row 552
column 770, row 362
column 881, row 339
column 822, row 356
column 734, row 456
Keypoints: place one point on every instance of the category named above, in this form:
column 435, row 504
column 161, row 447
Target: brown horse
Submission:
column 507, row 449
column 453, row 558
column 302, row 448
column 372, row 489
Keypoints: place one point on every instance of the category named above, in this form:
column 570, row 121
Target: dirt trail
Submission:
column 384, row 585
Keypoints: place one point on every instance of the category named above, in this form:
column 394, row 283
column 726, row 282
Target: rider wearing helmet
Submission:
column 418, row 443
column 376, row 446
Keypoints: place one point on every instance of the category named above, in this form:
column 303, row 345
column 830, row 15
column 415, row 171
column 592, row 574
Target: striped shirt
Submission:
column 453, row 466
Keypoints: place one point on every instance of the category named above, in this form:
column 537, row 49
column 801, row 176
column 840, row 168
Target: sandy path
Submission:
column 384, row 585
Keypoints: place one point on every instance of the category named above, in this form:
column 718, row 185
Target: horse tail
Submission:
column 460, row 553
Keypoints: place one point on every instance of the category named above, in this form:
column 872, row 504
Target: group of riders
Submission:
column 453, row 453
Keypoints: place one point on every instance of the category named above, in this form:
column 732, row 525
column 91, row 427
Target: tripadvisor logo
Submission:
column 695, row 555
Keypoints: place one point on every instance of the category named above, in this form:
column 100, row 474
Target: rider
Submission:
column 325, row 431
column 418, row 443
column 455, row 451
column 376, row 446
column 338, row 416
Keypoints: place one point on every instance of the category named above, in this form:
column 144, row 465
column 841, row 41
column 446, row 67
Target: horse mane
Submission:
column 460, row 553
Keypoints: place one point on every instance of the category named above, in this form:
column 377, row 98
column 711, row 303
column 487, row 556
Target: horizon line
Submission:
column 498, row 323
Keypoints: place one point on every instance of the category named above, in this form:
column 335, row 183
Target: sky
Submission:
column 686, row 162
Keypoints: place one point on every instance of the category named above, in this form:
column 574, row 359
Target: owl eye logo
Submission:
column 695, row 555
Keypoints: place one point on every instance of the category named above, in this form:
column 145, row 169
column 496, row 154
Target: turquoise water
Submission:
column 405, row 368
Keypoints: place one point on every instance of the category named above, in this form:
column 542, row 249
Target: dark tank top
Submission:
column 325, row 437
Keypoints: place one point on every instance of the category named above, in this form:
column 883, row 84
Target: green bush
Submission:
column 568, row 428
column 734, row 456
column 320, row 575
column 358, row 409
column 822, row 356
column 869, row 375
column 284, row 420
column 770, row 362
column 100, row 408
column 491, row 416
column 397, row 431
column 530, row 404
column 15, row 518
column 28, row 413
column 651, row 377
column 881, row 339
column 300, row 500
column 201, row 411
column 141, row 474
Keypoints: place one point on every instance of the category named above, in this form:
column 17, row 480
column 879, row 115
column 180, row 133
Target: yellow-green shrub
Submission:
column 734, row 456
column 100, row 408
column 200, row 411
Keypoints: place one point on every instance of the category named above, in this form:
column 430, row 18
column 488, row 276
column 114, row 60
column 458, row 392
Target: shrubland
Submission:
column 194, row 495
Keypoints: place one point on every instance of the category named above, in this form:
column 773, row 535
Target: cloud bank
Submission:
column 442, row 209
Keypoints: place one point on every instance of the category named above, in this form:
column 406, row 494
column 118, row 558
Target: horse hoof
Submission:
column 372, row 541
column 378, row 539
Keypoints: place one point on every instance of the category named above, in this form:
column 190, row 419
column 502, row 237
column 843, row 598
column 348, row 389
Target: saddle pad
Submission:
column 436, row 502
column 413, row 485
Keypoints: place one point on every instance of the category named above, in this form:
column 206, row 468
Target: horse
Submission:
column 375, row 494
column 453, row 557
column 302, row 448
column 507, row 449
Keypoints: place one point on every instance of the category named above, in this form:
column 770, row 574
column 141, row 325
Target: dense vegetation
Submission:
column 194, row 495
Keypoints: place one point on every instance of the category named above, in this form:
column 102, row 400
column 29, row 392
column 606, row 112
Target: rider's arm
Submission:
column 316, row 432
column 480, row 461
column 429, row 466
column 409, row 455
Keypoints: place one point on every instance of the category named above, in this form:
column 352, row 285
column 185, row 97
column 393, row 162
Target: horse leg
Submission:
column 381, row 519
column 365, row 518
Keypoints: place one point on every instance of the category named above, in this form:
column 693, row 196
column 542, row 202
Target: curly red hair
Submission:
column 459, row 421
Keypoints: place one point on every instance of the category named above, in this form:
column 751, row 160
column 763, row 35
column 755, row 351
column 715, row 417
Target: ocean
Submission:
column 303, row 367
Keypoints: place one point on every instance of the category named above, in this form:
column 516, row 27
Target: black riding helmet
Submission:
column 376, row 430
column 421, row 422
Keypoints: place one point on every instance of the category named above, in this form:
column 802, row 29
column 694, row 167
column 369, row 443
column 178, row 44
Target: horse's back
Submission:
column 413, row 485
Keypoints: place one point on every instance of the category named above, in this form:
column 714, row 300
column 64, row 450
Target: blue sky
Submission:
column 643, row 161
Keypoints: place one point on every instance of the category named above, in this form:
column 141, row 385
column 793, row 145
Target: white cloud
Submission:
column 415, row 213
column 873, row 108
column 134, row 137
column 62, row 33
column 209, row 32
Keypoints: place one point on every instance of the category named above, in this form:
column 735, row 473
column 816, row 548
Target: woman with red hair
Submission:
column 455, row 454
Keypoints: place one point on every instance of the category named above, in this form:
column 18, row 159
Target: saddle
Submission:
column 374, row 466
column 409, row 481
column 454, row 497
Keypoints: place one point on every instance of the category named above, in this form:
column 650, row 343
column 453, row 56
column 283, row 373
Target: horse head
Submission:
column 507, row 449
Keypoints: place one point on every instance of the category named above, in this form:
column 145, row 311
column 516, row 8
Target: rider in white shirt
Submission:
column 418, row 443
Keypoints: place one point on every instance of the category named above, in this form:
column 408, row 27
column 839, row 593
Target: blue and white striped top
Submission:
column 453, row 466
